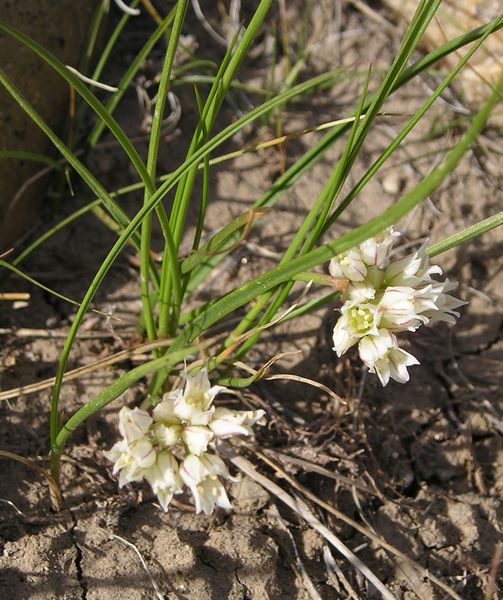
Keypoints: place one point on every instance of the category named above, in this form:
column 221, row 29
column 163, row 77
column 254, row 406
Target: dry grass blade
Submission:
column 258, row 374
column 150, row 8
column 204, row 22
column 307, row 465
column 27, row 183
column 242, row 338
column 127, row 9
column 250, row 215
column 288, row 137
column 86, row 369
column 26, row 277
column 299, row 569
column 54, row 491
column 300, row 507
column 157, row 591
column 13, row 506
column 98, row 84
column 54, row 334
column 364, row 530
column 375, row 16
column 308, row 381
column 14, row 296
column 492, row 585
column 335, row 573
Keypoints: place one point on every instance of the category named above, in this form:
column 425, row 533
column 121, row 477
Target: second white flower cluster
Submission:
column 170, row 447
column 384, row 297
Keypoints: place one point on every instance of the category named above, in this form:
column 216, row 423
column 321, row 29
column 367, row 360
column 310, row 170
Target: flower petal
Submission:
column 133, row 424
column 196, row 438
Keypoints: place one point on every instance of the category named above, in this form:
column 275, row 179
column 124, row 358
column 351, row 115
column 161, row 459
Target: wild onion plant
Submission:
column 172, row 440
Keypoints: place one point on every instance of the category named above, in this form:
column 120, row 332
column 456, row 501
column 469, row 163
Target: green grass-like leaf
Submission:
column 167, row 185
column 79, row 167
column 31, row 156
column 170, row 252
column 467, row 234
column 104, row 115
column 324, row 253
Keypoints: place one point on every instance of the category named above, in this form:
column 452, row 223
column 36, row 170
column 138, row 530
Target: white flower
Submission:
column 401, row 309
column 188, row 416
column 164, row 478
column 373, row 347
column 167, row 434
column 176, row 419
column 226, row 423
column 124, row 462
column 412, row 271
column 394, row 365
column 366, row 290
column 196, row 438
column 375, row 251
column 200, row 474
column 406, row 308
column 198, row 392
column 383, row 356
column 356, row 321
column 441, row 305
column 134, row 424
column 348, row 265
column 384, row 297
column 359, row 291
column 135, row 452
column 184, row 423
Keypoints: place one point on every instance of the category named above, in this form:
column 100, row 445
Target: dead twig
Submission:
column 307, row 465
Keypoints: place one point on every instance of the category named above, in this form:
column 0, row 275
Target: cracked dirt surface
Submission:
column 429, row 454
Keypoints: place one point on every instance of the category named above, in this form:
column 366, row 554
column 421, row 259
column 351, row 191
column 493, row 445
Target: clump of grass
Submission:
column 166, row 287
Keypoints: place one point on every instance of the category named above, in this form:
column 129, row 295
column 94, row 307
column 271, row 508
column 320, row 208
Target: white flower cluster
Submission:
column 170, row 447
column 384, row 297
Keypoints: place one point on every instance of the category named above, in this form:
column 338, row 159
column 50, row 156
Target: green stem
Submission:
column 311, row 229
column 222, row 84
column 169, row 246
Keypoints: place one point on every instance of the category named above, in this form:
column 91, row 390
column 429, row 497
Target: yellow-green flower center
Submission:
column 361, row 319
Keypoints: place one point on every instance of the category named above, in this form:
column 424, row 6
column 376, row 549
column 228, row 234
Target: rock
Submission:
column 393, row 183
